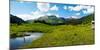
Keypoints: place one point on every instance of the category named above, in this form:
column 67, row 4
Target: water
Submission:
column 15, row 43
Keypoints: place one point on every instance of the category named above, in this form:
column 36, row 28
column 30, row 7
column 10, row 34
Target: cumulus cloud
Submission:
column 65, row 7
column 77, row 13
column 76, row 8
column 75, row 17
column 49, row 14
column 54, row 8
column 44, row 7
column 25, row 16
column 70, row 8
column 53, row 14
column 57, row 15
column 37, row 14
column 89, row 10
column 85, row 9
column 33, row 15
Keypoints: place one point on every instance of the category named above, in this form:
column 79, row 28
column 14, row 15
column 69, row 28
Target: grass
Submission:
column 61, row 35
column 17, row 30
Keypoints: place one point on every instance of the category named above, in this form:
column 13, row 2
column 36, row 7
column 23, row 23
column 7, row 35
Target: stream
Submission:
column 15, row 43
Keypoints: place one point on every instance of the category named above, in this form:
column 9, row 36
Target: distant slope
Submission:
column 54, row 20
column 87, row 19
column 72, row 21
column 50, row 20
column 15, row 19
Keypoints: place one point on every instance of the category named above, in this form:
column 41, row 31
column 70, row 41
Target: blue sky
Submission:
column 33, row 10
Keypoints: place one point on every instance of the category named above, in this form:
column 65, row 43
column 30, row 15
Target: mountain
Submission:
column 52, row 19
column 29, row 21
column 87, row 19
column 72, row 21
column 15, row 19
column 82, row 20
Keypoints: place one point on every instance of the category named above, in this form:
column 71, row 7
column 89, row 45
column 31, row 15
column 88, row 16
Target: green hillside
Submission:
column 87, row 19
column 52, row 20
column 16, row 20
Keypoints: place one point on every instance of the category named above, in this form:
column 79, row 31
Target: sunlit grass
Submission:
column 34, row 27
column 61, row 35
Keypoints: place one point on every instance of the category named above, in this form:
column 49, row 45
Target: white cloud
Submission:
column 85, row 9
column 89, row 10
column 57, row 15
column 65, row 7
column 43, row 7
column 49, row 14
column 77, row 13
column 33, row 15
column 54, row 8
column 70, row 7
column 38, row 14
column 53, row 14
column 76, row 8
column 75, row 17
column 25, row 16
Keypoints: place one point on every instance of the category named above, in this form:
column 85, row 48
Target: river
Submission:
column 15, row 43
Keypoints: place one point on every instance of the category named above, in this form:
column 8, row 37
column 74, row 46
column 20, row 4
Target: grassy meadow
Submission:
column 60, row 35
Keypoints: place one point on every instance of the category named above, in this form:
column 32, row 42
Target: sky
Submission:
column 33, row 10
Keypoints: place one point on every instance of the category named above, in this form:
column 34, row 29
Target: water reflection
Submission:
column 20, row 41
